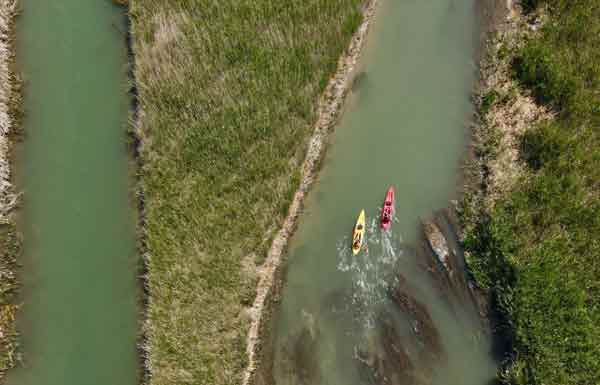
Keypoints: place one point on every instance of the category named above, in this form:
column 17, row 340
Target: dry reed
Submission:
column 9, row 244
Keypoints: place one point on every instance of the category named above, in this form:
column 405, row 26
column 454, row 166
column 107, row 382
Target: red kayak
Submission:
column 387, row 213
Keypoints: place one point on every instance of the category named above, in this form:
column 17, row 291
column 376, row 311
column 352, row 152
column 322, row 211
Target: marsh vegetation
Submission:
column 10, row 105
column 227, row 96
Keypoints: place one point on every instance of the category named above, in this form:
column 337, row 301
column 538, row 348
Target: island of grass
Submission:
column 536, row 248
column 227, row 94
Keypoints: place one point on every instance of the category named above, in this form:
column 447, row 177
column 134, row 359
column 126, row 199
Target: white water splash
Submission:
column 370, row 270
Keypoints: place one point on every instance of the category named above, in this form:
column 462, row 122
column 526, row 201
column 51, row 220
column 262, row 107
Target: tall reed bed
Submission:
column 227, row 94
column 9, row 243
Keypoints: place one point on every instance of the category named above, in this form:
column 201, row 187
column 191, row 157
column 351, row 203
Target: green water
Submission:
column 78, row 319
column 406, row 125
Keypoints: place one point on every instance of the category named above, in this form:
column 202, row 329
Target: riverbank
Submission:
column 330, row 105
column 224, row 126
column 9, row 240
column 531, row 213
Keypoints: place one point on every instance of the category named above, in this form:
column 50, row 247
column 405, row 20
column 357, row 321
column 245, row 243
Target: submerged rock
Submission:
column 300, row 357
column 422, row 325
column 464, row 287
column 479, row 298
column 389, row 363
column 440, row 279
column 395, row 367
column 438, row 244
column 305, row 358
column 441, row 257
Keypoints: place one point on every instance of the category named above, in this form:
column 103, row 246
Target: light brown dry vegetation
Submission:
column 508, row 109
column 228, row 94
column 9, row 245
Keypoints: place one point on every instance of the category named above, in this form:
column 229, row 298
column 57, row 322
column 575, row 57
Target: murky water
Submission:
column 78, row 320
column 381, row 317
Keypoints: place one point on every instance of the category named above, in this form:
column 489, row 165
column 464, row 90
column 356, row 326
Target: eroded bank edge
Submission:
column 10, row 116
column 137, row 196
column 329, row 107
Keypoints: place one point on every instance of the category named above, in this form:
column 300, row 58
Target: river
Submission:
column 405, row 125
column 79, row 315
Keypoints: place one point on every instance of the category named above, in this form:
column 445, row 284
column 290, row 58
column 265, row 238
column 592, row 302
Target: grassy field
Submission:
column 227, row 99
column 538, row 249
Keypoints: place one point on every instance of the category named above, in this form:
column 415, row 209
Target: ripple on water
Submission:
column 370, row 270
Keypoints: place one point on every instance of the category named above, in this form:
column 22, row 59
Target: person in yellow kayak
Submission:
column 357, row 239
column 358, row 233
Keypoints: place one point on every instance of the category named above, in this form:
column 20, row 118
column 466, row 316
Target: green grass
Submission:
column 227, row 99
column 538, row 250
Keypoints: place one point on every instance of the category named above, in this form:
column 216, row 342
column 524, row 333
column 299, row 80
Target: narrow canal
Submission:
column 381, row 317
column 78, row 319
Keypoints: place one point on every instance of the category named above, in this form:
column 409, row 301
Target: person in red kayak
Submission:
column 386, row 214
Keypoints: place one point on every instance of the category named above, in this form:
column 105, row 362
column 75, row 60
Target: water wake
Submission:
column 370, row 271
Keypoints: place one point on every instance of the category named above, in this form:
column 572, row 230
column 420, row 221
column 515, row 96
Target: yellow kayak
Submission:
column 358, row 233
